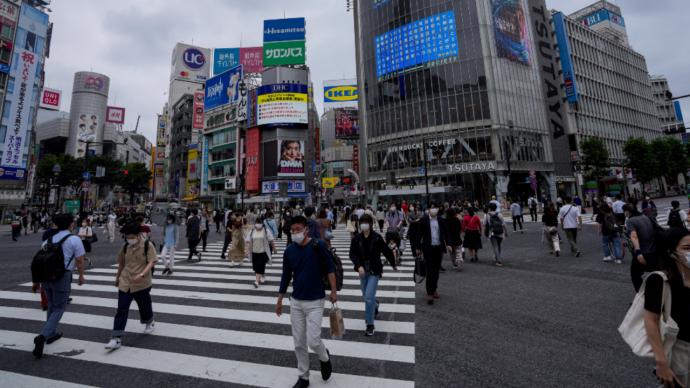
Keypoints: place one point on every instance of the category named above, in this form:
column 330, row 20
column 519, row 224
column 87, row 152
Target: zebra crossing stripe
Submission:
column 16, row 380
column 227, row 371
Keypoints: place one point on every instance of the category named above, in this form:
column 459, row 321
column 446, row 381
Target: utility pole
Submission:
column 426, row 171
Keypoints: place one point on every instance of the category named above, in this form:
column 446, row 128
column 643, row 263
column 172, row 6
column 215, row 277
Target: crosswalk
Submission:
column 213, row 324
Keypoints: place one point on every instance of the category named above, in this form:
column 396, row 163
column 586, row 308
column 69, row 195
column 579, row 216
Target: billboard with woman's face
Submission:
column 291, row 158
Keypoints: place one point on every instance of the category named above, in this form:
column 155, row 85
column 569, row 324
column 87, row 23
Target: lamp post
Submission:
column 57, row 169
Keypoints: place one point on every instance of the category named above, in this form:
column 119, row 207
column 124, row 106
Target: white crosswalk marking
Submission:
column 214, row 305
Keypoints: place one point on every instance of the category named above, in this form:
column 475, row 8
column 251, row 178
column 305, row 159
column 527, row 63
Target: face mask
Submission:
column 364, row 227
column 687, row 259
column 411, row 209
column 169, row 222
column 298, row 237
column 132, row 241
column 258, row 226
column 393, row 208
column 433, row 212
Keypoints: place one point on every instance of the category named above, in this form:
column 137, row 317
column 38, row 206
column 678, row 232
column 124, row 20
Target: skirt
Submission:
column 87, row 245
column 259, row 261
column 473, row 240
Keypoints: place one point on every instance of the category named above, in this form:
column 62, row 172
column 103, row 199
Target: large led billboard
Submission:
column 429, row 41
column 510, row 30
column 282, row 104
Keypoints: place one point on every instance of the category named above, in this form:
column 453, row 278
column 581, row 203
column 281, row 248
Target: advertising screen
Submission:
column 223, row 89
column 251, row 59
column 253, row 174
column 510, row 30
column 86, row 132
column 346, row 124
column 429, row 41
column 198, row 113
column 282, row 104
column 115, row 115
column 291, row 158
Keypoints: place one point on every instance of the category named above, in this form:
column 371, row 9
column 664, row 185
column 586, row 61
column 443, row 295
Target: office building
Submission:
column 669, row 112
column 468, row 115
column 180, row 139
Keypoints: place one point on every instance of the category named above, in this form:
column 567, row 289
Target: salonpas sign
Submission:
column 284, row 53
column 460, row 168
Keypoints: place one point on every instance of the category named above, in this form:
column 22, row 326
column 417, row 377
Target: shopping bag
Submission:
column 337, row 322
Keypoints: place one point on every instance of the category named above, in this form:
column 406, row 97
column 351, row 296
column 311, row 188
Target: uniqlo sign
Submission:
column 50, row 99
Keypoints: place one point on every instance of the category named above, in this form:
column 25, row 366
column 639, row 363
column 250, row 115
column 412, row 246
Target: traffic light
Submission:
column 125, row 172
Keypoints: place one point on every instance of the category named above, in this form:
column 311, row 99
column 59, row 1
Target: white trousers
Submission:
column 305, row 318
column 111, row 231
column 168, row 256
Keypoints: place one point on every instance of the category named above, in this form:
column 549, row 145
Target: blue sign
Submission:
column 602, row 15
column 4, row 68
column 282, row 88
column 86, row 176
column 430, row 41
column 280, row 30
column 566, row 60
column 223, row 89
column 193, row 58
column 225, row 59
column 12, row 173
column 679, row 112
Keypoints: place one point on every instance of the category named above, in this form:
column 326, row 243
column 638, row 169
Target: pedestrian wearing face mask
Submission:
column 261, row 244
column 430, row 239
column 133, row 281
column 170, row 236
column 365, row 252
column 305, row 263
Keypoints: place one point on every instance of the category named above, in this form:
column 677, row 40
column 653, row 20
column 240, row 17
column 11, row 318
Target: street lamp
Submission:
column 57, row 169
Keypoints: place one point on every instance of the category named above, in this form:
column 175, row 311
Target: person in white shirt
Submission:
column 496, row 202
column 618, row 212
column 111, row 226
column 516, row 213
column 571, row 221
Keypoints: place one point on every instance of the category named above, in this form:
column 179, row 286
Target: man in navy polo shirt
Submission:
column 304, row 263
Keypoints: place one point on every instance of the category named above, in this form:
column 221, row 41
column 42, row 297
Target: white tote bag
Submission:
column 632, row 328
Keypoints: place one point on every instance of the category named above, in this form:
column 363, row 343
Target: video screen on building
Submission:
column 426, row 42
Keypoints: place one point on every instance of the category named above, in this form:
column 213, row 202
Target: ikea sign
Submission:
column 340, row 93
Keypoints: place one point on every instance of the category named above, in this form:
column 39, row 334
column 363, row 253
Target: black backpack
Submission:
column 48, row 263
column 496, row 224
column 324, row 270
column 611, row 224
column 674, row 220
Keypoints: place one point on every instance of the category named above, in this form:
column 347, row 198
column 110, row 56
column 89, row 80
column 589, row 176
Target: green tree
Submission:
column 670, row 158
column 71, row 170
column 639, row 158
column 113, row 169
column 595, row 158
column 135, row 180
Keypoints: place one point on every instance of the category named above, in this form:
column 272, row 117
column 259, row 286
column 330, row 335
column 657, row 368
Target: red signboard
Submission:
column 252, row 59
column 115, row 115
column 355, row 158
column 198, row 115
column 252, row 145
column 50, row 99
column 317, row 145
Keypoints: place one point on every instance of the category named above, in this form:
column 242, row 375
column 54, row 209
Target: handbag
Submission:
column 632, row 328
column 337, row 322
column 94, row 237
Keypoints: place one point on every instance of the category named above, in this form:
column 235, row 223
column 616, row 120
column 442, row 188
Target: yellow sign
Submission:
column 330, row 183
column 281, row 97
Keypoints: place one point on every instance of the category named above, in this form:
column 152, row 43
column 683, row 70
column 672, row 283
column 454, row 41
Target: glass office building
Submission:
column 452, row 85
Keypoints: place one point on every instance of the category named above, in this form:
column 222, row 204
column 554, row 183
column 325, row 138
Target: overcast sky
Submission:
column 131, row 41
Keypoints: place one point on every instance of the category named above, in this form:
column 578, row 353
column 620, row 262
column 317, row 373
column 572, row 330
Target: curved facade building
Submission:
column 87, row 112
column 454, row 83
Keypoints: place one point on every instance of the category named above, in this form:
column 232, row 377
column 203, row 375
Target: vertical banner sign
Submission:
column 160, row 133
column 546, row 58
column 18, row 124
column 355, row 158
column 198, row 113
column 242, row 101
column 510, row 30
column 566, row 60
column 253, row 174
column 204, row 167
column 317, row 145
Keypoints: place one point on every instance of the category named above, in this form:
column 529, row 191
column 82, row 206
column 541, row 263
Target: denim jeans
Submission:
column 57, row 292
column 369, row 283
column 614, row 240
column 124, row 300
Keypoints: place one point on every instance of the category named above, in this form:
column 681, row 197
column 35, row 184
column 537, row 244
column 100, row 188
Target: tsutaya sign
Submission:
column 472, row 167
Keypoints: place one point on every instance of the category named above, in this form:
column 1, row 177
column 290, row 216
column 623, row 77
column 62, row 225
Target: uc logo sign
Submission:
column 193, row 58
column 340, row 93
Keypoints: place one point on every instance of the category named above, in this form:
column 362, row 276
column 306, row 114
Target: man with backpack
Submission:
column 51, row 270
column 305, row 262
column 642, row 231
column 677, row 218
column 495, row 230
column 571, row 221
column 610, row 235
column 532, row 203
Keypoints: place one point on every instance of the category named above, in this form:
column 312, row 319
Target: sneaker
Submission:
column 558, row 253
column 455, row 263
column 619, row 261
column 607, row 259
column 165, row 271
column 198, row 255
column 149, row 327
column 578, row 254
column 256, row 285
column 262, row 280
column 461, row 262
column 369, row 331
column 114, row 343
column 430, row 299
column 442, row 269
column 301, row 383
column 436, row 295
column 498, row 263
column 170, row 272
column 39, row 342
column 54, row 338
column 326, row 368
